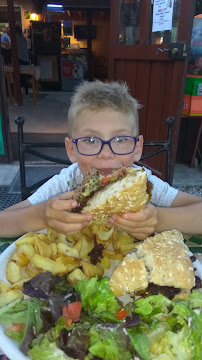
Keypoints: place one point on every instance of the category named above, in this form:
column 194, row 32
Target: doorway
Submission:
column 142, row 54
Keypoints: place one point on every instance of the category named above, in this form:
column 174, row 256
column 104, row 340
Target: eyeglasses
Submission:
column 92, row 145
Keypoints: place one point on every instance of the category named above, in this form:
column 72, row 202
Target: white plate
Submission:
column 8, row 346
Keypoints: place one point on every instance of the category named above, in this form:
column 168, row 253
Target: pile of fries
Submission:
column 61, row 254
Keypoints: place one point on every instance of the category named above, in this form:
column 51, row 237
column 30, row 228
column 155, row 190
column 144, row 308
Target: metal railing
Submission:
column 29, row 147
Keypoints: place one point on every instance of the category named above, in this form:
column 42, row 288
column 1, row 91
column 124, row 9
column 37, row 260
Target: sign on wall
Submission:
column 162, row 15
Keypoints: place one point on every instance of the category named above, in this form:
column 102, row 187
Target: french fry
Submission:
column 23, row 273
column 26, row 250
column 70, row 262
column 19, row 258
column 87, row 231
column 75, row 276
column 27, row 239
column 31, row 270
column 105, row 233
column 91, row 270
column 42, row 248
column 95, row 228
column 42, row 237
column 55, row 237
column 7, row 297
column 44, row 264
column 54, row 249
column 37, row 252
column 13, row 272
column 112, row 255
column 67, row 250
column 122, row 238
column 19, row 284
column 104, row 262
column 127, row 247
column 83, row 246
column 3, row 287
column 73, row 238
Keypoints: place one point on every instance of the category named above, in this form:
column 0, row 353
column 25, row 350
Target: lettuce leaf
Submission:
column 97, row 296
column 15, row 335
column 13, row 318
column 152, row 305
column 178, row 345
column 14, row 312
column 76, row 342
column 55, row 331
column 110, row 342
column 141, row 344
column 46, row 350
column 33, row 324
column 195, row 299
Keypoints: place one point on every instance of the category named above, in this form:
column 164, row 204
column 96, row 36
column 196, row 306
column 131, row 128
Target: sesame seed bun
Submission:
column 126, row 194
column 162, row 259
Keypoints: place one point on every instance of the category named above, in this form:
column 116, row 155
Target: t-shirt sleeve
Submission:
column 3, row 39
column 162, row 193
column 66, row 180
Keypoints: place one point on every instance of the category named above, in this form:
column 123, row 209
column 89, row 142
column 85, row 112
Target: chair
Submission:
column 28, row 147
column 26, row 70
column 163, row 146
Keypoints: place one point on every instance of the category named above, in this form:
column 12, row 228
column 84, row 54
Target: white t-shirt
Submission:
column 69, row 178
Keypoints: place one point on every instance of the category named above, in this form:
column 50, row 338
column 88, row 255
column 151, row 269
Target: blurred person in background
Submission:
column 23, row 56
column 6, row 45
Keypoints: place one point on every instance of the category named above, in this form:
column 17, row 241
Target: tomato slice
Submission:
column 16, row 327
column 105, row 181
column 121, row 314
column 72, row 311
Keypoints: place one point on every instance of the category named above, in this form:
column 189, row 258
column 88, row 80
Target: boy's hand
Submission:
column 140, row 224
column 57, row 216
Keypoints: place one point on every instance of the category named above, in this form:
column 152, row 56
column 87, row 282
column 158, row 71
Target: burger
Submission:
column 160, row 264
column 125, row 189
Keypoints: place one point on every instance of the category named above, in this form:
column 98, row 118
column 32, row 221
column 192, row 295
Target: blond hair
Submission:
column 97, row 96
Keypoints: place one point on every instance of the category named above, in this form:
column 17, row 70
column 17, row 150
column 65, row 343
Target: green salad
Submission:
column 86, row 322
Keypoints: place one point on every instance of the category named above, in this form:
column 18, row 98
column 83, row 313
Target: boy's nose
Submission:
column 106, row 152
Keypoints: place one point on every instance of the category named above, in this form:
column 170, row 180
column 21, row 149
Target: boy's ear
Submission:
column 138, row 149
column 70, row 150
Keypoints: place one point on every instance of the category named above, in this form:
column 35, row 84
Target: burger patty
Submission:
column 90, row 184
column 168, row 291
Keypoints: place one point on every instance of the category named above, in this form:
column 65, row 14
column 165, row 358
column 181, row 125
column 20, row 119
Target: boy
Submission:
column 102, row 112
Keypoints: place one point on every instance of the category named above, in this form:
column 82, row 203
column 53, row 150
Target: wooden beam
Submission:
column 7, row 156
column 14, row 51
column 89, row 47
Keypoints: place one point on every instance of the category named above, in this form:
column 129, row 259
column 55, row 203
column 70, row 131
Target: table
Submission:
column 194, row 243
column 24, row 69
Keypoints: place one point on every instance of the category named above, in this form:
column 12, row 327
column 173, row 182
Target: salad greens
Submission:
column 52, row 325
column 97, row 295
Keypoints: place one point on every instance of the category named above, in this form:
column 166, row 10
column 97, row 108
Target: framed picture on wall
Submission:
column 67, row 28
column 27, row 15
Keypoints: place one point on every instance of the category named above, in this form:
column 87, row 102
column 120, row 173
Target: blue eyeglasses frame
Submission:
column 107, row 142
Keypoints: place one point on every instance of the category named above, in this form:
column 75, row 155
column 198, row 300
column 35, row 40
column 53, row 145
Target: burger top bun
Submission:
column 162, row 259
column 126, row 194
